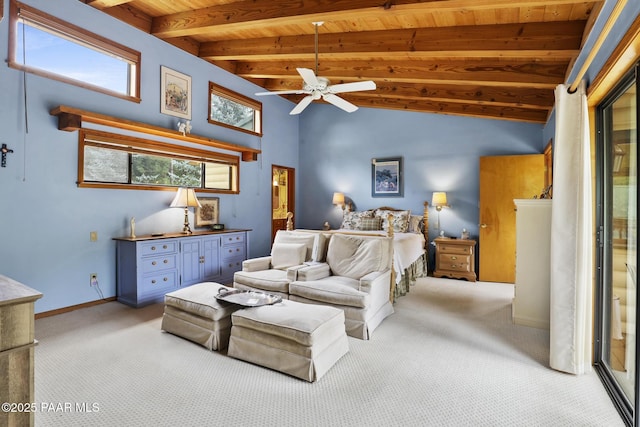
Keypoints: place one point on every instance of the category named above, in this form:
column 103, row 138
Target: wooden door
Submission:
column 282, row 197
column 502, row 179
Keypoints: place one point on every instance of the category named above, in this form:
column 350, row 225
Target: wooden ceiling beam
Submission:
column 497, row 96
column 534, row 40
column 448, row 107
column 260, row 13
column 493, row 73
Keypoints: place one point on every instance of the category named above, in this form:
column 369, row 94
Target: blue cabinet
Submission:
column 148, row 267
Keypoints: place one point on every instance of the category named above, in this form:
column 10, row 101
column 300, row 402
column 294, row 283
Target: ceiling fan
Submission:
column 316, row 87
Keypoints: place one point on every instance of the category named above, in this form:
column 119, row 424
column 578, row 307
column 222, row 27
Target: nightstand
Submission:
column 455, row 258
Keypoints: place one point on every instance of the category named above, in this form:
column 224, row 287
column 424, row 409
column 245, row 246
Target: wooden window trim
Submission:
column 237, row 98
column 19, row 10
column 139, row 145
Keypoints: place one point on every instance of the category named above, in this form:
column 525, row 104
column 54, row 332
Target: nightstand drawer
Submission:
column 151, row 265
column 454, row 249
column 156, row 248
column 446, row 263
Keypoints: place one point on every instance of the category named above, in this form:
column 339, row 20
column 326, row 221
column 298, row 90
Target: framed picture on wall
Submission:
column 175, row 93
column 386, row 177
column 209, row 211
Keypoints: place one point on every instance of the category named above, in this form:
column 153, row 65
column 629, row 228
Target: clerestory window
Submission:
column 47, row 46
column 233, row 110
column 116, row 161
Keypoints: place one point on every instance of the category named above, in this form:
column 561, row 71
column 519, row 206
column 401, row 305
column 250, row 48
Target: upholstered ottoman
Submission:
column 302, row 340
column 194, row 313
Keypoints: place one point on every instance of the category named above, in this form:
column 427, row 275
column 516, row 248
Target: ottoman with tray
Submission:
column 302, row 340
column 194, row 313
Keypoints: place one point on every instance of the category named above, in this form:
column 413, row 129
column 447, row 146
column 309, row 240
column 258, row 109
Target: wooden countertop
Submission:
column 174, row 235
column 12, row 292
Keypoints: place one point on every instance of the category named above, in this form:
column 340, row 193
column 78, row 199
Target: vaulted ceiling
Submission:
column 481, row 58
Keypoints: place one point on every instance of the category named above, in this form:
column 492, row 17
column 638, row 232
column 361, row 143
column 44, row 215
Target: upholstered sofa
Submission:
column 273, row 273
column 353, row 274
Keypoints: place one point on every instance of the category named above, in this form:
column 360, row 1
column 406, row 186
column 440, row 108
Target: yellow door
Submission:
column 502, row 179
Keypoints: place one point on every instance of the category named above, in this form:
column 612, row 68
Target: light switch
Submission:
column 93, row 236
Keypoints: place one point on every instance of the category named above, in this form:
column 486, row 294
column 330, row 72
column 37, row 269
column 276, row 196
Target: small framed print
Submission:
column 209, row 211
column 386, row 177
column 175, row 93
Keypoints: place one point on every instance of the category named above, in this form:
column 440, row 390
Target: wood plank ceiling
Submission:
column 482, row 58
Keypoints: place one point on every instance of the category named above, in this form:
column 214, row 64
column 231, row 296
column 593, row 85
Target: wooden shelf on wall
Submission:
column 71, row 119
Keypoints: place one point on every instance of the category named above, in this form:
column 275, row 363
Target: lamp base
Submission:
column 186, row 229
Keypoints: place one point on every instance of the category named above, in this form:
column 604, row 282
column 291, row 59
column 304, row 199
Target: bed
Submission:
column 410, row 234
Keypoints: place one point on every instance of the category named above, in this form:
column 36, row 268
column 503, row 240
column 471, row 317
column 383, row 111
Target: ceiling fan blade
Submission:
column 301, row 105
column 282, row 92
column 339, row 102
column 352, row 87
column 308, row 76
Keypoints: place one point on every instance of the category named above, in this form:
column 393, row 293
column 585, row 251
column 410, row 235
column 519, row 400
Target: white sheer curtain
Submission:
column 571, row 236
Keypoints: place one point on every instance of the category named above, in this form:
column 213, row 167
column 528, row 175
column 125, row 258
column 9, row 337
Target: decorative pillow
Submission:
column 285, row 255
column 308, row 239
column 369, row 224
column 355, row 257
column 400, row 220
column 415, row 224
column 350, row 220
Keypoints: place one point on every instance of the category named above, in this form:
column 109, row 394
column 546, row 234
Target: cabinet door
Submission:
column 191, row 261
column 210, row 247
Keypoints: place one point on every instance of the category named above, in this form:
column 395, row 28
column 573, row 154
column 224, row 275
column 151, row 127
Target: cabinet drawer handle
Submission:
column 153, row 282
column 454, row 258
column 164, row 246
column 165, row 279
column 153, row 263
column 166, row 261
column 153, row 248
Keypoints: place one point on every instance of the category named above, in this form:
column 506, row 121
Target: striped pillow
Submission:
column 369, row 224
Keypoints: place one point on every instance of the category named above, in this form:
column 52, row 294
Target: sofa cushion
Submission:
column 355, row 256
column 308, row 239
column 334, row 290
column 267, row 280
column 285, row 255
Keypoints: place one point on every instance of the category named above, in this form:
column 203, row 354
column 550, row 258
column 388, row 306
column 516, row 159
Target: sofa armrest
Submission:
column 308, row 273
column 257, row 264
column 375, row 280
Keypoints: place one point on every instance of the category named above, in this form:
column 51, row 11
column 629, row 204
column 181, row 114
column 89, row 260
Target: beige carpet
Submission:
column 449, row 356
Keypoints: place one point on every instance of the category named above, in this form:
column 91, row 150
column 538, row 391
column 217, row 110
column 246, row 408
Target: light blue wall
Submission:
column 440, row 153
column 45, row 219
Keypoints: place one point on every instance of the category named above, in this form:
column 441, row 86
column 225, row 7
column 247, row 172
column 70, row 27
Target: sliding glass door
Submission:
column 617, row 255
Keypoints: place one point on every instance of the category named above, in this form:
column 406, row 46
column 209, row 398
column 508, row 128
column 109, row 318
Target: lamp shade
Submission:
column 338, row 199
column 439, row 199
column 185, row 198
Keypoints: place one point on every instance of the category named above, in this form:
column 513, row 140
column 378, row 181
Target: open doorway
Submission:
column 282, row 197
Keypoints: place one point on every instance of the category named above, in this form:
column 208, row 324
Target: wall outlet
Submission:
column 93, row 279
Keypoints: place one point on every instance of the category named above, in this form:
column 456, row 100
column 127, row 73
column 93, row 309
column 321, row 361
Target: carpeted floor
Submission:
column 448, row 356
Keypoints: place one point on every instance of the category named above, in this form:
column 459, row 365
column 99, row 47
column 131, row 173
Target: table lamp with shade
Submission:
column 439, row 201
column 185, row 198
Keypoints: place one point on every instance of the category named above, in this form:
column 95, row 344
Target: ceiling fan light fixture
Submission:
column 316, row 87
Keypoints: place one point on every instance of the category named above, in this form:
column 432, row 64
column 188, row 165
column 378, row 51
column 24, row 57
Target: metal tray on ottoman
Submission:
column 246, row 298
